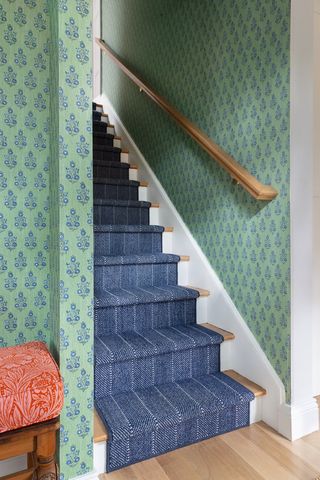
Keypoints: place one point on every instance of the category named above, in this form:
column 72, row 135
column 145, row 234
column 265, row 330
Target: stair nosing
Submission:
column 225, row 333
column 256, row 389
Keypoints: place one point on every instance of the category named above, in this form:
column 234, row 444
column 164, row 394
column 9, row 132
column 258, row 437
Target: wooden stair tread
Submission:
column 144, row 183
column 168, row 229
column 133, row 166
column 100, row 433
column 253, row 387
column 155, row 205
column 184, row 258
column 226, row 335
column 202, row 291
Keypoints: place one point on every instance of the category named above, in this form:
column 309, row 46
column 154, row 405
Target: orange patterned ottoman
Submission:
column 31, row 389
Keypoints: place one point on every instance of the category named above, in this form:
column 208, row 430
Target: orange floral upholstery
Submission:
column 31, row 389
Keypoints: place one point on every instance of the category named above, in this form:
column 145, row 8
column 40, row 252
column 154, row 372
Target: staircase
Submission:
column 158, row 383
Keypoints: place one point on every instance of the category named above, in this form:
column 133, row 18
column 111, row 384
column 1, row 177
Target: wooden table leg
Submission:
column 31, row 460
column 45, row 453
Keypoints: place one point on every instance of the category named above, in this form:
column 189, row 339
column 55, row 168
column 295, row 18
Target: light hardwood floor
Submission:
column 253, row 453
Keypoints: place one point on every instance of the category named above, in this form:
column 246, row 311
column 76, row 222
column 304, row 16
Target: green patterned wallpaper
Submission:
column 225, row 65
column 46, row 199
column 24, row 172
column 71, row 226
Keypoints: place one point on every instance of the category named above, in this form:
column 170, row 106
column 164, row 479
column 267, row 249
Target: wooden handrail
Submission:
column 257, row 189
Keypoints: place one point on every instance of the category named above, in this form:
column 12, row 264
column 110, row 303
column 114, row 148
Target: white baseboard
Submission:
column 99, row 462
column 243, row 354
column 297, row 421
column 100, row 456
column 93, row 475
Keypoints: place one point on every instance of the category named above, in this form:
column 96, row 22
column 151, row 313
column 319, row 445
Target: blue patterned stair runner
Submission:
column 158, row 384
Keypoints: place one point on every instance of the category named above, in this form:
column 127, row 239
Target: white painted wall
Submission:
column 96, row 55
column 316, row 203
column 302, row 417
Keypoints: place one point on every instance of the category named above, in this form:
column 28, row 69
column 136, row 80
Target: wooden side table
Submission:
column 39, row 443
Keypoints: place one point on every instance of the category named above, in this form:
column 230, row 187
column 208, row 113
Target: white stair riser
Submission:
column 124, row 157
column 133, row 174
column 143, row 194
column 154, row 216
column 256, row 410
column 167, row 242
column 183, row 273
column 100, row 457
column 117, row 142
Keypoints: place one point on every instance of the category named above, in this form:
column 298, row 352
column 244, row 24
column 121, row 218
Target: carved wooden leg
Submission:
column 45, row 452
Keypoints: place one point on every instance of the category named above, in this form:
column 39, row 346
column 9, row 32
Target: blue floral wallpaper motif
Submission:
column 71, row 224
column 24, row 172
column 46, row 200
column 225, row 65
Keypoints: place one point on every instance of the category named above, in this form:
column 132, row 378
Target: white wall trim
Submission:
column 99, row 462
column 316, row 203
column 299, row 420
column 303, row 416
column 94, row 475
column 219, row 308
column 96, row 52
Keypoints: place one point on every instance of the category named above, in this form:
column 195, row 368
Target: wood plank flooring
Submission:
column 253, row 453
